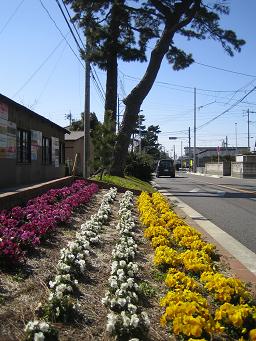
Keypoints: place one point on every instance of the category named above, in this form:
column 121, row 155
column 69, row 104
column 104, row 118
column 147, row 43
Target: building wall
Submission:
column 73, row 147
column 13, row 173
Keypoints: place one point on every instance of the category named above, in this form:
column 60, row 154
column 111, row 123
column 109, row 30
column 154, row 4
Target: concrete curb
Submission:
column 241, row 260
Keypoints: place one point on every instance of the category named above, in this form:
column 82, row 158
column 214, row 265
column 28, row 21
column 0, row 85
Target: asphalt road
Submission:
column 227, row 202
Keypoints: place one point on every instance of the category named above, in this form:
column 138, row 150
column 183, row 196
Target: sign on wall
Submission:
column 11, row 140
column 4, row 111
column 36, row 142
column 7, row 134
column 55, row 151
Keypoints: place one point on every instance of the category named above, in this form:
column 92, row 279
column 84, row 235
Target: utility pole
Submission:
column 248, row 126
column 194, row 156
column 118, row 114
column 86, row 168
column 181, row 154
column 236, row 136
column 174, row 158
column 248, row 122
column 69, row 117
column 189, row 147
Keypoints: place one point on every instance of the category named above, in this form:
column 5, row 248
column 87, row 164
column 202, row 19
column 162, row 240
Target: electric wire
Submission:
column 226, row 70
column 225, row 111
column 11, row 17
column 38, row 68
column 55, row 24
column 96, row 78
column 48, row 13
column 181, row 86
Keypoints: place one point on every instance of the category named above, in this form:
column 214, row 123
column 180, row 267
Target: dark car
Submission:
column 165, row 168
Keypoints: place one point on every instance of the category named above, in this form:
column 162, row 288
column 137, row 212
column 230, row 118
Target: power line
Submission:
column 66, row 20
column 226, row 70
column 55, row 24
column 225, row 111
column 51, row 73
column 11, row 16
column 65, row 6
column 38, row 69
column 181, row 86
column 96, row 78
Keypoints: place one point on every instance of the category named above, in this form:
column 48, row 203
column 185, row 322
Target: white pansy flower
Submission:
column 39, row 336
column 132, row 308
column 145, row 319
column 44, row 327
column 121, row 301
column 135, row 320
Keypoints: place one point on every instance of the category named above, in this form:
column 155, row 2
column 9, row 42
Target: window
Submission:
column 62, row 153
column 46, row 151
column 23, row 146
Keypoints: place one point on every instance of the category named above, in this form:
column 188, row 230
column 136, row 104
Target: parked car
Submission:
column 165, row 168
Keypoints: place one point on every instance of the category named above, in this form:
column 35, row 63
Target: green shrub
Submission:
column 139, row 166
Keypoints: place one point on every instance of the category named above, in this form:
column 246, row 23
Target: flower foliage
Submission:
column 126, row 318
column 25, row 227
column 191, row 276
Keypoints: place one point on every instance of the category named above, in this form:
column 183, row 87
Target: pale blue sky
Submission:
column 40, row 71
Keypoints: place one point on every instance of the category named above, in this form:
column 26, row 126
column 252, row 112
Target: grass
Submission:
column 128, row 182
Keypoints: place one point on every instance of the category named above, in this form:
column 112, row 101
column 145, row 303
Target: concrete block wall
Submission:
column 243, row 169
column 221, row 168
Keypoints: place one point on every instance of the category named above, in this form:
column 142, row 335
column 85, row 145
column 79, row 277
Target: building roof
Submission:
column 214, row 148
column 7, row 100
column 74, row 135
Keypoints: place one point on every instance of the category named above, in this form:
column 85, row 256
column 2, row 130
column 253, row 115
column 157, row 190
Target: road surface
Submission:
column 227, row 202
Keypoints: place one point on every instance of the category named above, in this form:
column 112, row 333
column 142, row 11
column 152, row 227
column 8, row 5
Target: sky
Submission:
column 39, row 70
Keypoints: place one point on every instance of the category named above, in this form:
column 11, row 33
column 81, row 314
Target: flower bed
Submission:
column 126, row 319
column 201, row 302
column 24, row 227
column 61, row 306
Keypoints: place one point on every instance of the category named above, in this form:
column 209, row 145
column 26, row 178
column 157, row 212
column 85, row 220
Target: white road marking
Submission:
column 195, row 190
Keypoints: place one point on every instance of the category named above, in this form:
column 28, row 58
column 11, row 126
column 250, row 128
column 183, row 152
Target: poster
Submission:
column 11, row 140
column 55, row 151
column 4, row 111
column 36, row 138
column 36, row 142
column 3, row 132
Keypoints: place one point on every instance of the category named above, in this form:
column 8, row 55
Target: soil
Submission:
column 23, row 288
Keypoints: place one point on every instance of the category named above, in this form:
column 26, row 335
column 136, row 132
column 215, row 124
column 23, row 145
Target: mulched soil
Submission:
column 22, row 289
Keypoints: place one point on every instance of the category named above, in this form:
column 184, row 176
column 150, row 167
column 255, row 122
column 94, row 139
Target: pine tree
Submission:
column 115, row 30
column 111, row 27
column 190, row 18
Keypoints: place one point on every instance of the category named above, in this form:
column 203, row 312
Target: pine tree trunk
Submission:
column 111, row 92
column 111, row 67
column 134, row 100
column 174, row 22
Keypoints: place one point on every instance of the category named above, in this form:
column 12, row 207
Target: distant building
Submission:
column 74, row 151
column 74, row 145
column 32, row 147
column 210, row 154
